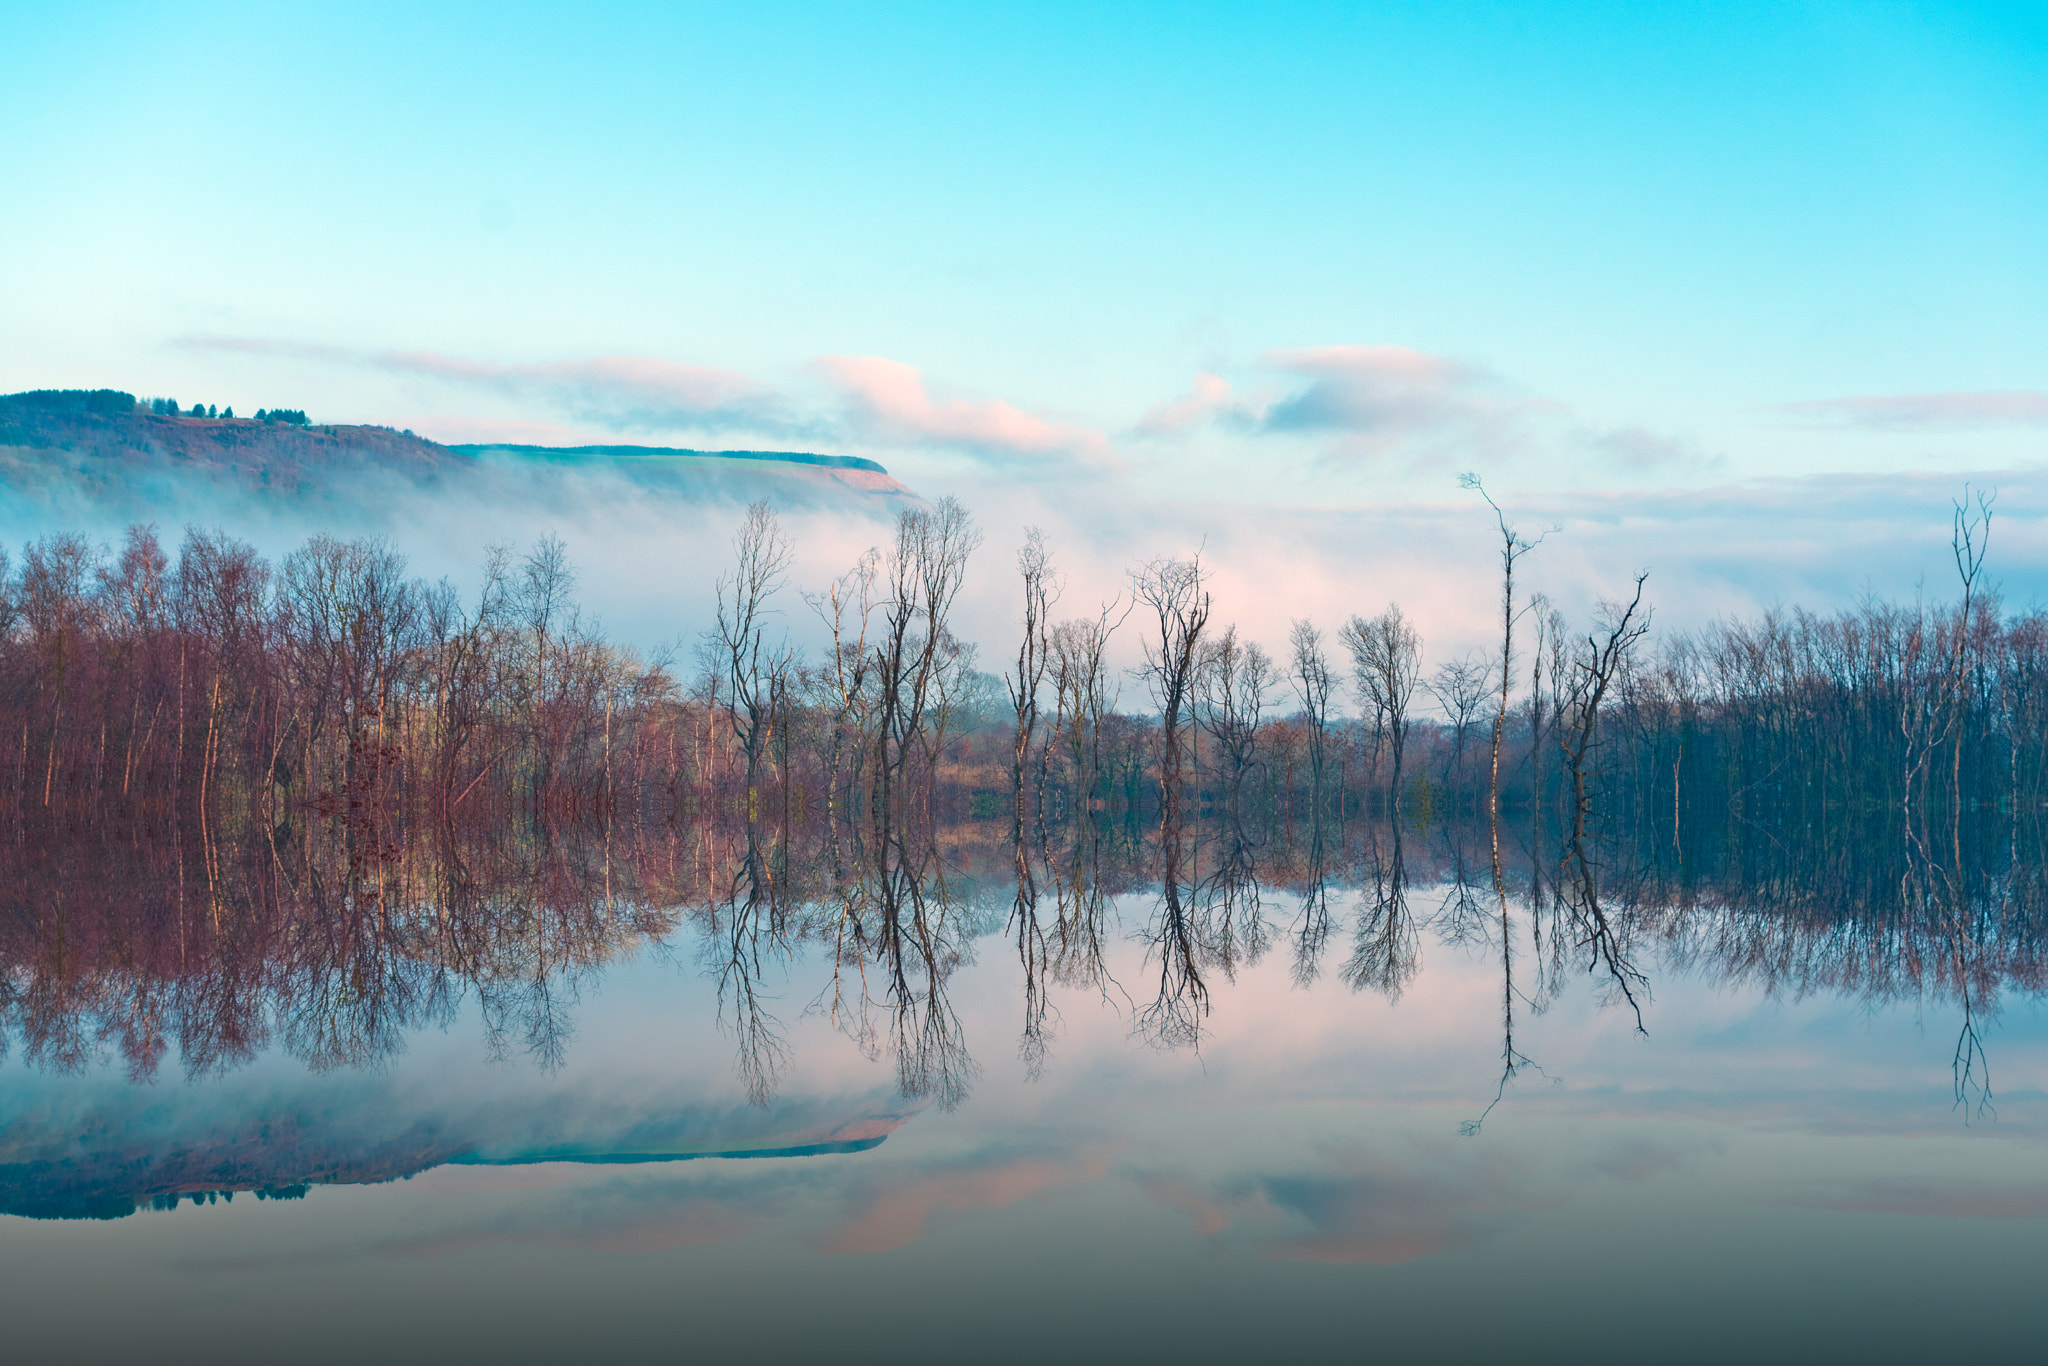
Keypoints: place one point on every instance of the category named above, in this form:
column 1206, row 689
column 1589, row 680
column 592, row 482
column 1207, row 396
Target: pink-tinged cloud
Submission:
column 615, row 393
column 886, row 400
column 896, row 1217
column 1931, row 412
column 1208, row 397
column 618, row 393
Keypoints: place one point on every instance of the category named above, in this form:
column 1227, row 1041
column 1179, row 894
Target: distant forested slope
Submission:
column 101, row 453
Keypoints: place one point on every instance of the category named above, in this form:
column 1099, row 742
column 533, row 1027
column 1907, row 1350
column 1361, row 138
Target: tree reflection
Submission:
column 1173, row 1018
column 1385, row 947
column 899, row 936
column 749, row 920
column 335, row 938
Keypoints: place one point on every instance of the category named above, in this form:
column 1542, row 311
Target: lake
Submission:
column 634, row 1094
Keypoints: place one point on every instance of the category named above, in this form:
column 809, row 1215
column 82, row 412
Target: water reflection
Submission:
column 335, row 943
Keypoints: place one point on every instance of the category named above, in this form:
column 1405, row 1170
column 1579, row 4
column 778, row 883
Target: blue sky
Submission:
column 1311, row 255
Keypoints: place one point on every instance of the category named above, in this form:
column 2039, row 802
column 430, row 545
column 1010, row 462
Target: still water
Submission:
column 1223, row 1101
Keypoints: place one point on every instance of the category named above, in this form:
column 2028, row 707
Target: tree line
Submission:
column 216, row 683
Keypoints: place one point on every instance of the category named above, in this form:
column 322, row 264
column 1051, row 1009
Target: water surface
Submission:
column 608, row 1096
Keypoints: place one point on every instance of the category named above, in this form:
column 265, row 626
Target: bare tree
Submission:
column 1175, row 592
column 1081, row 686
column 847, row 608
column 348, row 613
column 1313, row 684
column 755, row 672
column 1460, row 687
column 1595, row 668
column 1512, row 548
column 1549, row 623
column 1932, row 714
column 1033, row 650
column 1235, row 678
column 924, row 572
column 1386, row 661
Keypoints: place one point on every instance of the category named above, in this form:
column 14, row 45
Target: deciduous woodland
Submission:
column 221, row 687
column 319, row 802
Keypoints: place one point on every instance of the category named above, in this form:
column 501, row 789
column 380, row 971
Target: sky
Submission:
column 1170, row 268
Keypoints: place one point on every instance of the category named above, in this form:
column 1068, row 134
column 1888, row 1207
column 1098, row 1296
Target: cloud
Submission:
column 1373, row 400
column 622, row 393
column 1949, row 412
column 1639, row 449
column 1375, row 389
column 617, row 393
column 876, row 400
column 1207, row 397
column 886, row 400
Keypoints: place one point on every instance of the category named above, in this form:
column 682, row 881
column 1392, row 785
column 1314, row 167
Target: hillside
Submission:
column 102, row 450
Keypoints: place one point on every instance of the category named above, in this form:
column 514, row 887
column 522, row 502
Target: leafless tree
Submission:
column 1512, row 547
column 1236, row 677
column 1386, row 661
column 1313, row 683
column 924, row 571
column 1460, row 687
column 1595, row 667
column 1041, row 590
column 756, row 672
column 1081, row 684
column 1174, row 591
column 847, row 608
column 1933, row 711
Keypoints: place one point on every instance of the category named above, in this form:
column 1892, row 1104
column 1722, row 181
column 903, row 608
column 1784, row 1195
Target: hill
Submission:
column 101, row 451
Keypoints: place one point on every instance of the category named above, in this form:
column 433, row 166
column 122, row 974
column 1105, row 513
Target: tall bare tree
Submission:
column 1236, row 677
column 1179, row 600
column 847, row 607
column 924, row 572
column 1041, row 590
column 1596, row 666
column 1081, row 686
column 1313, row 685
column 1513, row 546
column 1386, row 663
column 756, row 672
column 1460, row 687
